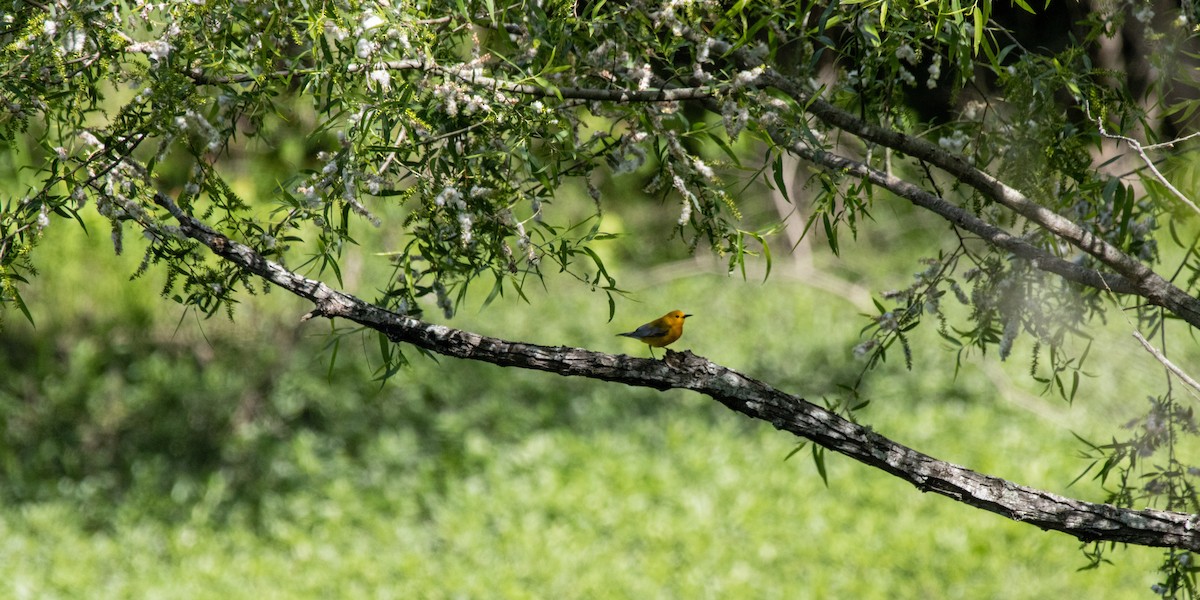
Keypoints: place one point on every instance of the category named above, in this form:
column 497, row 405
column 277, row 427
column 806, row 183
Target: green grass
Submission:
column 463, row 480
column 688, row 502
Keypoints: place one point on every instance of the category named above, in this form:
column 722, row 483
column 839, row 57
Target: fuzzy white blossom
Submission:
column 974, row 110
column 475, row 103
column 954, row 142
column 449, row 96
column 371, row 21
column 1012, row 327
column 381, row 78
column 643, row 73
column 735, row 118
column 705, row 49
column 861, row 350
column 685, row 214
column 632, row 159
column 464, row 221
column 688, row 199
column 89, row 139
column 535, row 204
column 337, row 32
column 745, row 78
column 155, row 50
column 309, row 193
column 73, row 42
column 364, row 47
column 448, row 195
column 204, row 128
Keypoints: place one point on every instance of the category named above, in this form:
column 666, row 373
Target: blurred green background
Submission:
column 148, row 453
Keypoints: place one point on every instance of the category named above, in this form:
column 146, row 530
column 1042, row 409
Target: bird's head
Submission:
column 676, row 316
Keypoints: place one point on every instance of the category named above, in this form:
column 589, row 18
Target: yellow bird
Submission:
column 661, row 331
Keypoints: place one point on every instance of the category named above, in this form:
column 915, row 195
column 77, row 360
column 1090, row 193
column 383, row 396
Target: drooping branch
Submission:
column 1084, row 520
column 1132, row 275
column 1144, row 281
column 1041, row 259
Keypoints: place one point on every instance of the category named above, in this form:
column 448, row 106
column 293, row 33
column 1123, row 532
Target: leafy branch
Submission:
column 1084, row 520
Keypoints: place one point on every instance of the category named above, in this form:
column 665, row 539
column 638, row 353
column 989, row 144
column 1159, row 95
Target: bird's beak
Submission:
column 686, row 316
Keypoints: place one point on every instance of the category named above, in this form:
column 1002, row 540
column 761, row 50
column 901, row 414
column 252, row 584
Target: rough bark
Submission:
column 1086, row 521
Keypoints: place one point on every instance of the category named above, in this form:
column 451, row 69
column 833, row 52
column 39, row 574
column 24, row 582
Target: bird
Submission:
column 661, row 331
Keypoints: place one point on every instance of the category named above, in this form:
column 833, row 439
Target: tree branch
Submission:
column 1145, row 282
column 472, row 76
column 1133, row 276
column 1137, row 147
column 1084, row 520
column 1162, row 358
column 1041, row 259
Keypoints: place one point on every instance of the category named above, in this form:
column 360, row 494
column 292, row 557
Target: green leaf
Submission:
column 777, row 174
column 831, row 234
column 871, row 34
column 766, row 250
column 793, row 452
column 979, row 22
column 818, row 454
column 737, row 8
column 16, row 296
column 725, row 147
column 497, row 290
column 335, row 345
column 550, row 88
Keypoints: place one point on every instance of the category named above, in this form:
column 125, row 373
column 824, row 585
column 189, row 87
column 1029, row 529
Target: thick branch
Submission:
column 1041, row 259
column 1084, row 520
column 1136, row 277
column 1144, row 280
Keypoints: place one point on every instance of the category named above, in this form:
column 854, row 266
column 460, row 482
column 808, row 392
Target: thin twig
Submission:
column 1141, row 151
column 1162, row 358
